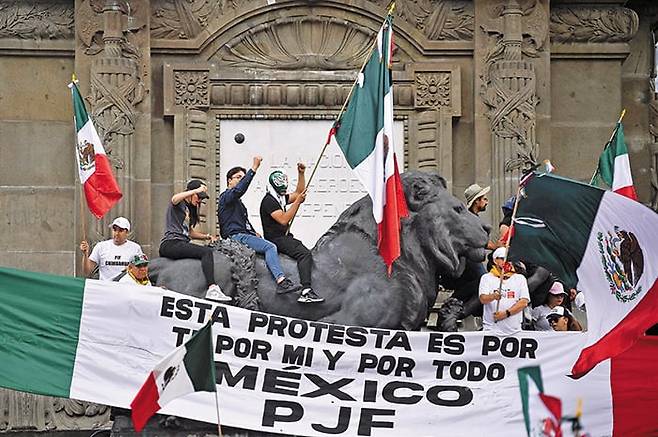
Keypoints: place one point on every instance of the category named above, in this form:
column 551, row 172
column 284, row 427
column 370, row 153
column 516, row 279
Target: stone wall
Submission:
column 483, row 87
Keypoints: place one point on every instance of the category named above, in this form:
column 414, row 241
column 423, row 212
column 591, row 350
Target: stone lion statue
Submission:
column 438, row 237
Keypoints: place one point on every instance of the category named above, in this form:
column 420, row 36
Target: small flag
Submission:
column 614, row 168
column 189, row 368
column 604, row 243
column 365, row 135
column 100, row 187
column 542, row 413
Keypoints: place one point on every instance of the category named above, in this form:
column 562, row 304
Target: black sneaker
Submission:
column 287, row 286
column 309, row 296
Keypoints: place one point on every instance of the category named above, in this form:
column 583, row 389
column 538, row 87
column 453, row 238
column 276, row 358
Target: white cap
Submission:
column 121, row 222
column 500, row 252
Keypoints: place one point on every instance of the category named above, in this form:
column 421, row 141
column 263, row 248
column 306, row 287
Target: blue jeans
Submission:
column 261, row 245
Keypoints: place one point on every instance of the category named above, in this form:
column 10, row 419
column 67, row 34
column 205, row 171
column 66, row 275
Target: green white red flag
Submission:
column 187, row 369
column 365, row 135
column 603, row 243
column 614, row 169
column 101, row 189
column 542, row 413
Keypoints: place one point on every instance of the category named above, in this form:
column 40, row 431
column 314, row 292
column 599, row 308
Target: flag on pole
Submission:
column 542, row 413
column 364, row 133
column 614, row 168
column 100, row 187
column 605, row 243
column 189, row 368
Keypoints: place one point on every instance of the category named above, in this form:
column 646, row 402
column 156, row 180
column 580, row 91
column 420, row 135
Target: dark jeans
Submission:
column 296, row 250
column 178, row 249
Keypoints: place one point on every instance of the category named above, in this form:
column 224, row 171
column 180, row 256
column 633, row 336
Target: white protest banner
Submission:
column 284, row 375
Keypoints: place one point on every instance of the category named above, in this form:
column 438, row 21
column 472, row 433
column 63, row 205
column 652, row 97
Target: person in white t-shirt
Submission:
column 503, row 306
column 110, row 256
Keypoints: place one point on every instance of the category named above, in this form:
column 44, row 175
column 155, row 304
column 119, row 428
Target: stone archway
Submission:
column 299, row 62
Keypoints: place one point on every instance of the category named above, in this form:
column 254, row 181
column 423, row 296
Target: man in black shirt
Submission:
column 276, row 218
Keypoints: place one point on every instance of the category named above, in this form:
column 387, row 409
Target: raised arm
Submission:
column 301, row 184
column 238, row 191
column 283, row 218
column 179, row 197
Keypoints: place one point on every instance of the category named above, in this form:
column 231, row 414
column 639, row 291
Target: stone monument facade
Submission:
column 483, row 88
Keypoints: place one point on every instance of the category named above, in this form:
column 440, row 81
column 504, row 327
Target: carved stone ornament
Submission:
column 433, row 90
column 36, row 20
column 192, row 88
column 185, row 19
column 438, row 20
column 590, row 24
column 302, row 43
column 534, row 26
column 653, row 147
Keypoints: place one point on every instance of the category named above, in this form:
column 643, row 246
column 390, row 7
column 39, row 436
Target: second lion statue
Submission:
column 439, row 235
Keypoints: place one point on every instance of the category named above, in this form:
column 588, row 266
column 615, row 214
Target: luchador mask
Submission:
column 279, row 182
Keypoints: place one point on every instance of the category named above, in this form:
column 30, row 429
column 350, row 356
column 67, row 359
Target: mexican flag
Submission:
column 614, row 168
column 604, row 244
column 101, row 189
column 542, row 413
column 189, row 368
column 365, row 135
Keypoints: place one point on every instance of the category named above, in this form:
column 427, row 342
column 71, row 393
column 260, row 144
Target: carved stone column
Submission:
column 115, row 51
column 513, row 35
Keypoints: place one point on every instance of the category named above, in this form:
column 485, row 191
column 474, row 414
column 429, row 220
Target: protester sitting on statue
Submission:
column 234, row 223
column 555, row 297
column 110, row 256
column 180, row 222
column 276, row 218
column 504, row 300
column 561, row 319
column 137, row 271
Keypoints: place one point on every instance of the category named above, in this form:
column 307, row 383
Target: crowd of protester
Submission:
column 503, row 289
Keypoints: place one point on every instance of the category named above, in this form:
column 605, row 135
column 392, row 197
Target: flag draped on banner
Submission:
column 614, row 168
column 189, row 368
column 605, row 243
column 98, row 341
column 100, row 187
column 365, row 135
column 542, row 413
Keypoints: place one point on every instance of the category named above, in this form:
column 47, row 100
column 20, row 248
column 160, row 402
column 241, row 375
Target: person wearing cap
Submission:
column 276, row 216
column 234, row 223
column 476, row 202
column 110, row 256
column 137, row 271
column 555, row 297
column 561, row 319
column 503, row 306
column 180, row 227
column 476, row 198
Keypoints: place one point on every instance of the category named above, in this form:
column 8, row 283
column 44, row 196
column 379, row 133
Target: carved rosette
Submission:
column 36, row 20
column 593, row 24
column 433, row 90
column 192, row 89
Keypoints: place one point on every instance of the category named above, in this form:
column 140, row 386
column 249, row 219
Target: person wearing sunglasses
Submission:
column 110, row 256
column 561, row 319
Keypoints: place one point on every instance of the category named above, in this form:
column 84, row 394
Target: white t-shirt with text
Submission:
column 112, row 259
column 513, row 289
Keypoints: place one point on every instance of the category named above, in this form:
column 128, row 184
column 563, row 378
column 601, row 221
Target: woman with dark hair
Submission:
column 554, row 298
column 561, row 319
column 182, row 217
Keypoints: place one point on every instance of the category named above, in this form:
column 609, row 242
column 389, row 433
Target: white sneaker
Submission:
column 215, row 293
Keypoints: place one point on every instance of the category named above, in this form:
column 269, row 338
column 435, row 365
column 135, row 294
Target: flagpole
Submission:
column 83, row 218
column 390, row 9
column 507, row 243
column 219, row 426
column 614, row 132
